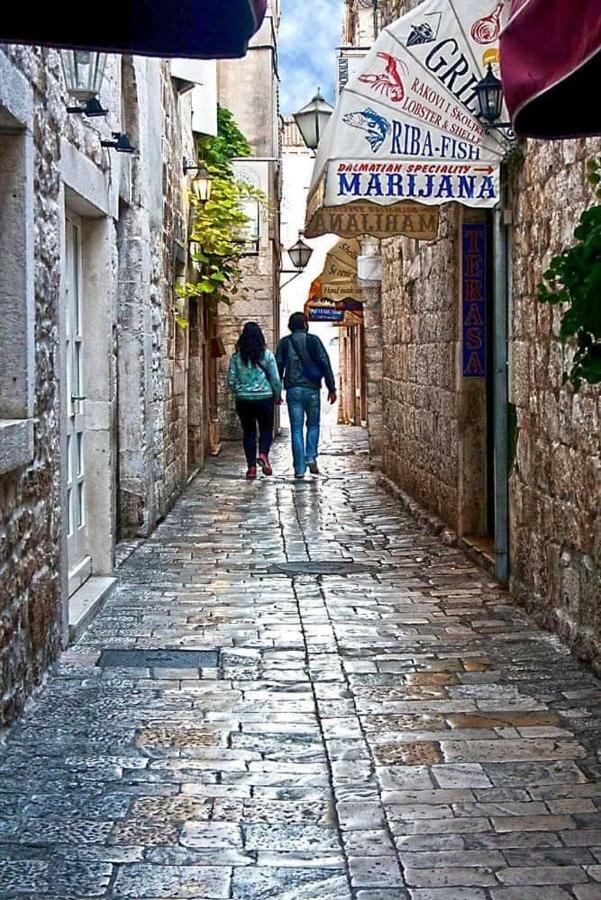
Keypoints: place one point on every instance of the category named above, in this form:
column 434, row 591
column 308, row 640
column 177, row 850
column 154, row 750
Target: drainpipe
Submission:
column 500, row 418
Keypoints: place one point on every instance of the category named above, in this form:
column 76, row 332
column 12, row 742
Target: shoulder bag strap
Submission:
column 265, row 371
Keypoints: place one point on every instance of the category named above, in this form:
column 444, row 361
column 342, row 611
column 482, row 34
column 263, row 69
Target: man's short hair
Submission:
column 297, row 322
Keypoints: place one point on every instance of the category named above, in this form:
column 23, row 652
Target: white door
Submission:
column 77, row 530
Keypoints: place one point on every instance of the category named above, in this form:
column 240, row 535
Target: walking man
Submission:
column 303, row 362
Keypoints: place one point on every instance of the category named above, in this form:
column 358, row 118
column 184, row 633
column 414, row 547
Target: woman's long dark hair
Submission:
column 251, row 344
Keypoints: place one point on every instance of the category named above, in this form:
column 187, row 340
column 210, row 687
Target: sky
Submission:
column 309, row 34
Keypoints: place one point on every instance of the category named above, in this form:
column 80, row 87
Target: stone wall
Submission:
column 177, row 144
column 260, row 306
column 434, row 422
column 555, row 485
column 249, row 89
column 133, row 213
column 30, row 589
column 30, row 497
column 419, row 386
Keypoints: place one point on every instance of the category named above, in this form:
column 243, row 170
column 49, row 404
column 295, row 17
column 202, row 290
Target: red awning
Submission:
column 551, row 67
column 193, row 29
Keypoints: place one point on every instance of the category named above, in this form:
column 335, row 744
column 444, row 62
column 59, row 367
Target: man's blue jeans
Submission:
column 303, row 402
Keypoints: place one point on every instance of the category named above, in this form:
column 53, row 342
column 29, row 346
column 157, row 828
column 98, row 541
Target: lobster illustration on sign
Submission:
column 487, row 30
column 388, row 82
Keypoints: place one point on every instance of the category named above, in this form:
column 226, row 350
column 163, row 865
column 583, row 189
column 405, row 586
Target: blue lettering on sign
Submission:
column 326, row 315
column 413, row 141
column 420, row 185
column 474, row 288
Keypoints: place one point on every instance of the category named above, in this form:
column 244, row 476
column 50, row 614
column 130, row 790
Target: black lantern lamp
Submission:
column 300, row 254
column 121, row 144
column 490, row 100
column 84, row 71
column 202, row 183
column 312, row 120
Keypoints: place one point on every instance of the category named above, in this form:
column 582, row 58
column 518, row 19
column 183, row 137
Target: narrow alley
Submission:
column 344, row 707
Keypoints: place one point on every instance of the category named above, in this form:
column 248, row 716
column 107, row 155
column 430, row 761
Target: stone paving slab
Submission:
column 382, row 724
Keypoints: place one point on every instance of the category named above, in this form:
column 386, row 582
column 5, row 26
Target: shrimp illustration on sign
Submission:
column 376, row 126
column 389, row 82
column 487, row 30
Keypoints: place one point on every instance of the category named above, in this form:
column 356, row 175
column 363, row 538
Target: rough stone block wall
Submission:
column 173, row 338
column 152, row 386
column 556, row 479
column 419, row 384
column 258, row 282
column 30, row 499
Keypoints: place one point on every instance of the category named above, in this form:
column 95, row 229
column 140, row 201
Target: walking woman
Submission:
column 254, row 378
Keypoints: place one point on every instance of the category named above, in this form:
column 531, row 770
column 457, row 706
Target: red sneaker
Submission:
column 265, row 464
column 252, row 473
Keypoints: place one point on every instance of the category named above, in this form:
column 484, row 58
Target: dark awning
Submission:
column 194, row 29
column 551, row 67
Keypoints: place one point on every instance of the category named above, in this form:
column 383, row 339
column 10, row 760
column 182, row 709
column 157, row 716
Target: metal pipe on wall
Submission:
column 500, row 409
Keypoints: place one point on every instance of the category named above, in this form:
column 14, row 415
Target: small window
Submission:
column 16, row 292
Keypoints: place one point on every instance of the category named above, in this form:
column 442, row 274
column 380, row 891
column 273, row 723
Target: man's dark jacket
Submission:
column 306, row 351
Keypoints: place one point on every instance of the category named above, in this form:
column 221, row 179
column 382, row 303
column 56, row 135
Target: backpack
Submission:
column 312, row 369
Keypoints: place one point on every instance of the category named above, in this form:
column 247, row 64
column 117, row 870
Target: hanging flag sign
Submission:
column 405, row 133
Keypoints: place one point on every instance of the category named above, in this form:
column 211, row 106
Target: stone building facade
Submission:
column 555, row 484
column 436, row 438
column 93, row 381
column 248, row 87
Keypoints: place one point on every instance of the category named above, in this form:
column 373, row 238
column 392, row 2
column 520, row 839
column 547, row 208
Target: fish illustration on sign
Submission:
column 425, row 32
column 376, row 126
column 388, row 82
column 487, row 30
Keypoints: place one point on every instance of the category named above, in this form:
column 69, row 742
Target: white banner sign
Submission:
column 405, row 128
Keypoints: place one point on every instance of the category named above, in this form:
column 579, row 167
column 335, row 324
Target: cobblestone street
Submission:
column 380, row 723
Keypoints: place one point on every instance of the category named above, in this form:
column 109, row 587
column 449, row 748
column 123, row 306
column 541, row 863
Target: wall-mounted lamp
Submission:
column 300, row 254
column 121, row 144
column 84, row 72
column 489, row 92
column 312, row 120
column 92, row 108
column 202, row 183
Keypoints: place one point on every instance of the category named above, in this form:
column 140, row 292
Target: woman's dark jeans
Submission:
column 253, row 413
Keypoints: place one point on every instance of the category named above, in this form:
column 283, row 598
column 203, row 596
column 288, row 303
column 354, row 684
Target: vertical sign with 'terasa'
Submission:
column 474, row 300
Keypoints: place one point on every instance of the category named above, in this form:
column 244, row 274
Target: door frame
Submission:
column 75, row 409
column 84, row 192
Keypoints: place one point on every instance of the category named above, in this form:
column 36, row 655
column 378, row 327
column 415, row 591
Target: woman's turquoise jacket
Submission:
column 250, row 382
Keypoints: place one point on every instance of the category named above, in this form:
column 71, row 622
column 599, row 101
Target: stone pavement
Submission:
column 381, row 725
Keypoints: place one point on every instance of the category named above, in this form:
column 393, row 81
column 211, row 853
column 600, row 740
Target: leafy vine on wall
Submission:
column 219, row 223
column 574, row 279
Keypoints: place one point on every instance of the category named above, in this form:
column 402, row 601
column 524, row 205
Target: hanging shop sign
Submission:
column 317, row 314
column 405, row 134
column 550, row 59
column 338, row 279
column 474, row 300
column 336, row 294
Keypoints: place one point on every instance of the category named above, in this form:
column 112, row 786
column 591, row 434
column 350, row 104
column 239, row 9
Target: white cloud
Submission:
column 309, row 34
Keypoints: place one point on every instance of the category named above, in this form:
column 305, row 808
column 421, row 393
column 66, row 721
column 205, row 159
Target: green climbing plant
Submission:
column 218, row 224
column 574, row 279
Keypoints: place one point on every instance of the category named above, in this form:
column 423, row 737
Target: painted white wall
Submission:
column 297, row 167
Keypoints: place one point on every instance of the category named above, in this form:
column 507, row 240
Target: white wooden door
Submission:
column 77, row 529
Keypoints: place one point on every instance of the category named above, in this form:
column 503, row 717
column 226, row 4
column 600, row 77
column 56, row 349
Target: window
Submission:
column 16, row 272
